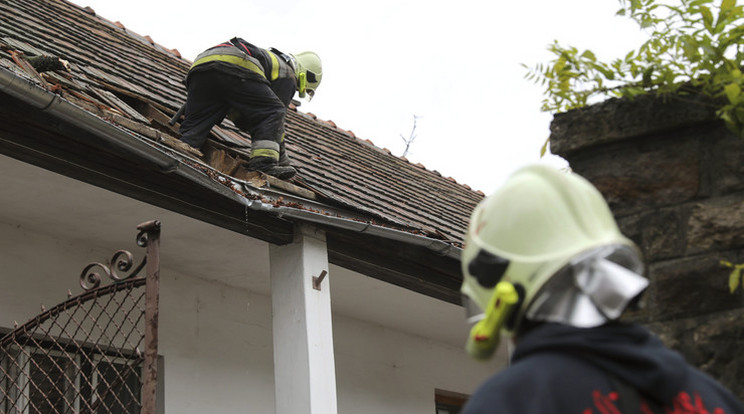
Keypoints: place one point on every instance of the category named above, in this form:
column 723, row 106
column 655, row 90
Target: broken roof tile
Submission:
column 341, row 168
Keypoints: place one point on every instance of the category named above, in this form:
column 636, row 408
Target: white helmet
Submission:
column 545, row 246
column 309, row 72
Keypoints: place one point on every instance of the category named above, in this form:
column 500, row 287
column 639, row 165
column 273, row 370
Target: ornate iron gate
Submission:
column 95, row 352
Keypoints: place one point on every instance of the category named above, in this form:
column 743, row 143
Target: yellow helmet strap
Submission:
column 484, row 336
column 301, row 84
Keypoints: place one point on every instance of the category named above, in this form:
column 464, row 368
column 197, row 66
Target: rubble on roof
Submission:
column 131, row 81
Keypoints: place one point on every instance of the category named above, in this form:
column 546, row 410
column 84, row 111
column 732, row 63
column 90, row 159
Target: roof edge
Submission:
column 40, row 98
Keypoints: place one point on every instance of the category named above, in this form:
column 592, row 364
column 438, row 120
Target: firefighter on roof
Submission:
column 253, row 87
column 545, row 265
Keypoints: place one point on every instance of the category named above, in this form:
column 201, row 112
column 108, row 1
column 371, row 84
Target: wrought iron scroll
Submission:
column 95, row 352
column 122, row 260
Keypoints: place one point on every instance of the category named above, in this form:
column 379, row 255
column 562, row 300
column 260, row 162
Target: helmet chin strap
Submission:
column 590, row 291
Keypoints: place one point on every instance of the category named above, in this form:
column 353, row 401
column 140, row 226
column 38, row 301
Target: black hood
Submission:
column 628, row 352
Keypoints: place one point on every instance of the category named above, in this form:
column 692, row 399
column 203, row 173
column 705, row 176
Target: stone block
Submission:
column 621, row 119
column 713, row 343
column 693, row 286
column 663, row 233
column 716, row 224
column 636, row 177
column 726, row 163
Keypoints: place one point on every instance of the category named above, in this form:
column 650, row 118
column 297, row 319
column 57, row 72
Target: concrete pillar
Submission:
column 304, row 368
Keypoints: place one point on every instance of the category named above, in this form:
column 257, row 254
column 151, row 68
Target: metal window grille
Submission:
column 93, row 353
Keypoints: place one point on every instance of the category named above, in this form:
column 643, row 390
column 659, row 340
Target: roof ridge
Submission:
column 146, row 39
column 372, row 145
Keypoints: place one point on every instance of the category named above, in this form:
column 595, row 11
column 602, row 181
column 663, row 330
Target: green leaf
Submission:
column 588, row 54
column 544, row 148
column 734, row 278
column 727, row 6
column 646, row 80
column 707, row 18
column 732, row 91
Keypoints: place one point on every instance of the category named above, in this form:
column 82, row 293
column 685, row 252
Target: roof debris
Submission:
column 138, row 85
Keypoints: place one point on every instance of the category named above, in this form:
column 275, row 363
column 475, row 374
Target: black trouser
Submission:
column 252, row 104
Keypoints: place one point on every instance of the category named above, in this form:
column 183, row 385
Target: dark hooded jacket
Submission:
column 612, row 369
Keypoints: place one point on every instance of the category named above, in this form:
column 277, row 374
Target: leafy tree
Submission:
column 694, row 47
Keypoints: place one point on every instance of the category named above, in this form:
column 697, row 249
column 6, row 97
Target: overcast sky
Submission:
column 456, row 65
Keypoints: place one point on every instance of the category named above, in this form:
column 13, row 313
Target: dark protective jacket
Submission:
column 243, row 59
column 251, row 85
column 612, row 369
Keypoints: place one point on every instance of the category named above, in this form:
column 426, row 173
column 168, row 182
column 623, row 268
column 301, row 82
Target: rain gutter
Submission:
column 440, row 247
column 45, row 101
column 53, row 104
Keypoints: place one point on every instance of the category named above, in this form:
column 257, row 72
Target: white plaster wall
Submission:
column 217, row 339
column 379, row 370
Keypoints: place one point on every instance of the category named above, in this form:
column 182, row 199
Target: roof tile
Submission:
column 333, row 163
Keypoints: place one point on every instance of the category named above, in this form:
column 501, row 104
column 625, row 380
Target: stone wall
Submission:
column 674, row 178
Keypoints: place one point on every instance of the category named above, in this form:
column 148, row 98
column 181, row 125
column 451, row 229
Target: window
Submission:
column 40, row 381
column 448, row 402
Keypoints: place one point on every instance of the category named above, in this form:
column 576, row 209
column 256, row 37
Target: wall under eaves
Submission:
column 674, row 178
column 215, row 327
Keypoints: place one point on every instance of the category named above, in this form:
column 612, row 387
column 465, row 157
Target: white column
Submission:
column 304, row 368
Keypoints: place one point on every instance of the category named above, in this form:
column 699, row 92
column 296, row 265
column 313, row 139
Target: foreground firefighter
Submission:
column 253, row 87
column 545, row 264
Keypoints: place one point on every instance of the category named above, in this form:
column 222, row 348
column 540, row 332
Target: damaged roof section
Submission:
column 136, row 84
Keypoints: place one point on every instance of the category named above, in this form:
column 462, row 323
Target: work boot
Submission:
column 269, row 166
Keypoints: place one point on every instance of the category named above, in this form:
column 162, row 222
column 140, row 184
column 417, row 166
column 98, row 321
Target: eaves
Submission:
column 103, row 154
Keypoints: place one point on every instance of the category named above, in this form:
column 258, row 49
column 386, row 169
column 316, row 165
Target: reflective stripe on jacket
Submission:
column 230, row 53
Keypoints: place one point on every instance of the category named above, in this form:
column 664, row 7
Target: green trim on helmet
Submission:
column 484, row 336
column 301, row 84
